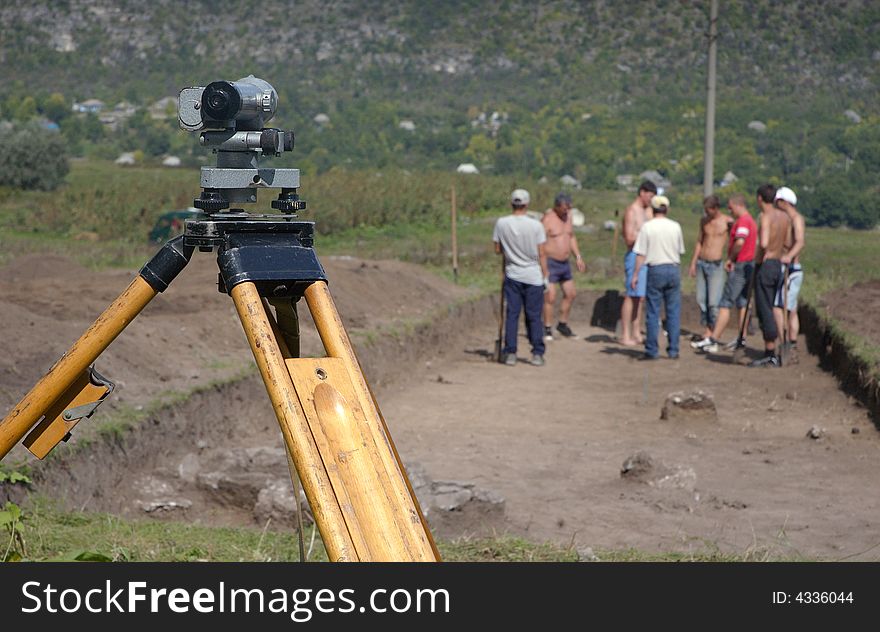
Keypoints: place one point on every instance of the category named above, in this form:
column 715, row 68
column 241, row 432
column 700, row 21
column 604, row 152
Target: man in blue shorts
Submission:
column 634, row 217
column 786, row 200
column 561, row 244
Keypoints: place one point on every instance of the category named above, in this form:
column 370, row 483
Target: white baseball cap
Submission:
column 786, row 194
column 520, row 197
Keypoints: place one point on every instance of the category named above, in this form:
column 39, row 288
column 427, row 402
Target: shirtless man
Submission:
column 740, row 266
column 775, row 227
column 635, row 215
column 560, row 245
column 786, row 200
column 707, row 265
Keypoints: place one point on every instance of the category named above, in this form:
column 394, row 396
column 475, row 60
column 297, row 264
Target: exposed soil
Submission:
column 551, row 441
column 189, row 335
column 856, row 309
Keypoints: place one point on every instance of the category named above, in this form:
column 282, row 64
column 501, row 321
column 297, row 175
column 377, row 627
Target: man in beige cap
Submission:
column 659, row 246
column 521, row 240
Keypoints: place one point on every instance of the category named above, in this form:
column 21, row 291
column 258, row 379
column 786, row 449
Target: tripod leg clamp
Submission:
column 78, row 402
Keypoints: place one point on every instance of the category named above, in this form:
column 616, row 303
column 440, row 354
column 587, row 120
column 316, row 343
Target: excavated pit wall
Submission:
column 236, row 414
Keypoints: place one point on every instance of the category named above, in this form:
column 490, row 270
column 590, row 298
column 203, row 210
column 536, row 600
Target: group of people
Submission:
column 732, row 255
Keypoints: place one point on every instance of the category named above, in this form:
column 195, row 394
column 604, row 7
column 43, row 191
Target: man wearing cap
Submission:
column 561, row 244
column 775, row 226
column 786, row 200
column 659, row 246
column 521, row 240
column 740, row 266
column 634, row 217
column 707, row 265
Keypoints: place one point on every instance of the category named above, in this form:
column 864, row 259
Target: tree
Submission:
column 32, row 157
column 843, row 199
column 26, row 110
column 55, row 107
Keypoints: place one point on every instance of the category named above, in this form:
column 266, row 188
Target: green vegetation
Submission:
column 32, row 158
column 12, row 548
column 594, row 90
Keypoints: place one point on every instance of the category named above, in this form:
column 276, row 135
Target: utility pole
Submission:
column 709, row 149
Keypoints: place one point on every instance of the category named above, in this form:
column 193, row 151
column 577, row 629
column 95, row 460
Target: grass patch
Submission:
column 51, row 534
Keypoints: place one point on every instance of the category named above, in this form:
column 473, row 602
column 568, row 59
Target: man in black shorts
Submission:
column 775, row 226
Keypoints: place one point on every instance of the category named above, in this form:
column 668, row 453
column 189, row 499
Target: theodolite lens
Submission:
column 221, row 101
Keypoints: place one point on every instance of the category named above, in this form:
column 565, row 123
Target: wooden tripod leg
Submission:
column 72, row 364
column 412, row 539
column 297, row 434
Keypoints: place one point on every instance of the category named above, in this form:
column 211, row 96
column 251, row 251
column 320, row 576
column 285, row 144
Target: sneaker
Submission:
column 712, row 348
column 767, row 361
column 510, row 360
column 548, row 334
column 564, row 329
column 700, row 344
column 733, row 345
column 537, row 360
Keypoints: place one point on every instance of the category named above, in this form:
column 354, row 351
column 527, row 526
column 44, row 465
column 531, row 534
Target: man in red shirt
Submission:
column 739, row 265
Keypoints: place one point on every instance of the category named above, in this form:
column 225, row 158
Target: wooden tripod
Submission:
column 352, row 475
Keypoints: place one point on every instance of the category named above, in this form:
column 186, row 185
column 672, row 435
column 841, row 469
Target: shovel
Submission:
column 499, row 342
column 737, row 353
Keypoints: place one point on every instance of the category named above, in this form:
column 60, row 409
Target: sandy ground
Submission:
column 550, row 440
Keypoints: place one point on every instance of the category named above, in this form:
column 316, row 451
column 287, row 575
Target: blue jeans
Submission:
column 664, row 284
column 710, row 285
column 519, row 295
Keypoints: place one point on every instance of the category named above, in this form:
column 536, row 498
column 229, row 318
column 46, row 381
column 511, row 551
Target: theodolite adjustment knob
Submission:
column 210, row 202
column 288, row 201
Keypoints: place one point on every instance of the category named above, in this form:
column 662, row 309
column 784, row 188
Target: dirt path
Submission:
column 552, row 441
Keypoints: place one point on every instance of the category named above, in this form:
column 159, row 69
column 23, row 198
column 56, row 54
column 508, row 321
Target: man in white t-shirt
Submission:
column 659, row 246
column 521, row 240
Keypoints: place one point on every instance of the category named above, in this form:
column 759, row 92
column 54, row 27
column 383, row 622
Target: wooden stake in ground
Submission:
column 614, row 242
column 454, row 239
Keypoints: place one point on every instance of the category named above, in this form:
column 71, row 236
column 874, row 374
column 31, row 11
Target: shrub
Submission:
column 32, row 157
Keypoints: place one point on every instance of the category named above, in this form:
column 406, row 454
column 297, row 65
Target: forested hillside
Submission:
column 591, row 89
